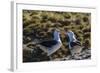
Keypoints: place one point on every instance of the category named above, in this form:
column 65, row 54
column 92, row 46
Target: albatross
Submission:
column 51, row 46
column 74, row 45
column 72, row 41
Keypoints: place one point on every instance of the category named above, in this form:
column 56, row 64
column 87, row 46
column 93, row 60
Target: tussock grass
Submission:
column 39, row 25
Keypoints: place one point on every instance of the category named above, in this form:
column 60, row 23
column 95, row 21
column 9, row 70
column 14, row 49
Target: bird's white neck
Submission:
column 57, row 36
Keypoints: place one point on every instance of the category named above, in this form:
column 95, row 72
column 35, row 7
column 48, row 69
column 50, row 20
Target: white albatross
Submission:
column 74, row 45
column 51, row 46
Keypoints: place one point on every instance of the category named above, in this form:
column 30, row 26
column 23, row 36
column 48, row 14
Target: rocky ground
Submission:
column 85, row 54
column 37, row 55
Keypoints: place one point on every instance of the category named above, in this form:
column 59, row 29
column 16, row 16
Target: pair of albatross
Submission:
column 51, row 46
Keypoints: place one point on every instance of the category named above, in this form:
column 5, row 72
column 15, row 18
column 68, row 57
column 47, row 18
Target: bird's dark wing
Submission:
column 49, row 43
column 75, row 43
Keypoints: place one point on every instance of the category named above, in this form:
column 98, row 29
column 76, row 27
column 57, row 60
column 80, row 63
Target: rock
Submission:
column 76, row 50
column 69, row 57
